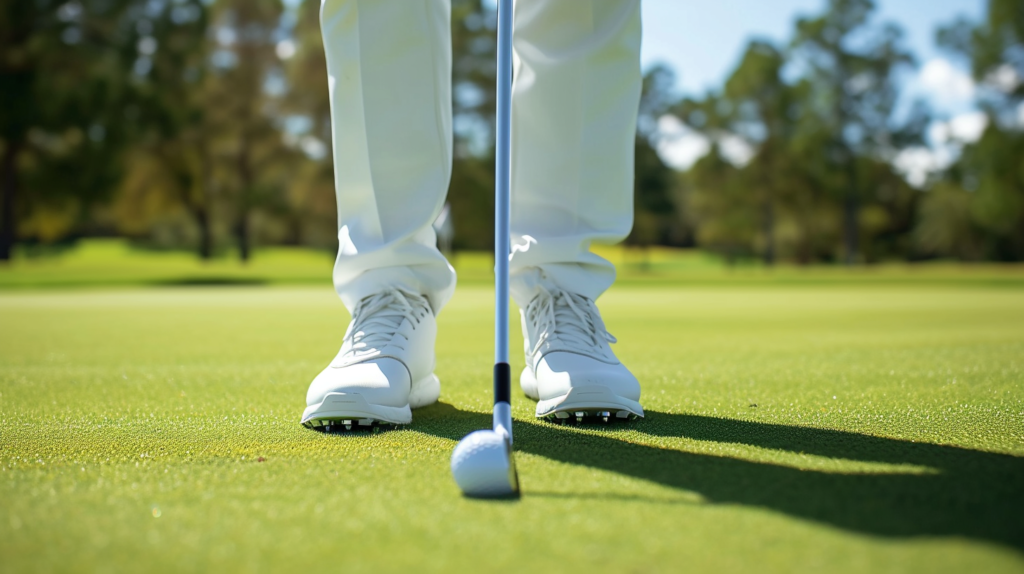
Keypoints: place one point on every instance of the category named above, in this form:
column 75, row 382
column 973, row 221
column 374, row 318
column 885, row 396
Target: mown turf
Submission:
column 840, row 428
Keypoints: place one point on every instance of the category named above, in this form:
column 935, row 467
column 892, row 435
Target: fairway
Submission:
column 839, row 427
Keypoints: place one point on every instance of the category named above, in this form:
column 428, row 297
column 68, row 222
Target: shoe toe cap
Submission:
column 558, row 372
column 380, row 381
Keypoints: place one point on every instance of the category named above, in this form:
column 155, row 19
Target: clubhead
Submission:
column 483, row 466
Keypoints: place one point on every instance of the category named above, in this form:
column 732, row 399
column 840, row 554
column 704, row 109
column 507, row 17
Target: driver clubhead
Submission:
column 483, row 466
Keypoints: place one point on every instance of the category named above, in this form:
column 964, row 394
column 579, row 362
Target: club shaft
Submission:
column 502, row 183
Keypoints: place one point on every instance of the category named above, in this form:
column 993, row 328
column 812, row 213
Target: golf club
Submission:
column 482, row 463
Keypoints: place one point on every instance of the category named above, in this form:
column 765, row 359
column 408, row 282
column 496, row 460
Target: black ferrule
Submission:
column 502, row 383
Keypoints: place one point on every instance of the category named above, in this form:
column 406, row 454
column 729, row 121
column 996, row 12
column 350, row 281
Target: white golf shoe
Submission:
column 570, row 367
column 385, row 367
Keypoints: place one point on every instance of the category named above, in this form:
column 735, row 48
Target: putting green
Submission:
column 834, row 428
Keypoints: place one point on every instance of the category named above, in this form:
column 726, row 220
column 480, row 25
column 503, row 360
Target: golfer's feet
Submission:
column 385, row 367
column 570, row 368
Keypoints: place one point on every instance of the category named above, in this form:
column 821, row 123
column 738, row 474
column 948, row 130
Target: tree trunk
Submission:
column 8, row 232
column 851, row 219
column 295, row 230
column 768, row 222
column 851, row 203
column 205, row 234
column 850, row 228
column 243, row 235
column 769, row 173
column 202, row 212
column 245, row 177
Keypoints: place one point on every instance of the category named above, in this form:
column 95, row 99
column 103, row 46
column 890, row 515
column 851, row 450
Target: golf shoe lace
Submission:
column 377, row 318
column 568, row 321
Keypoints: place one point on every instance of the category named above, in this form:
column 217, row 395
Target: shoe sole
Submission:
column 589, row 404
column 350, row 411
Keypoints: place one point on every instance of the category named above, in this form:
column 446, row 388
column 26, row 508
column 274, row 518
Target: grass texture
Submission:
column 847, row 427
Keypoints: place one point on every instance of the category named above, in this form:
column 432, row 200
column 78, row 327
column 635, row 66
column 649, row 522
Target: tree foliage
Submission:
column 978, row 212
column 205, row 124
column 61, row 94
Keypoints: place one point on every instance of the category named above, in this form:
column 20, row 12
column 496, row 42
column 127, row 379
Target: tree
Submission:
column 245, row 83
column 730, row 198
column 989, row 172
column 61, row 91
column 208, row 99
column 719, row 202
column 850, row 66
column 946, row 226
column 809, row 148
column 654, row 211
column 172, row 162
column 310, row 201
column 762, row 107
column 471, row 191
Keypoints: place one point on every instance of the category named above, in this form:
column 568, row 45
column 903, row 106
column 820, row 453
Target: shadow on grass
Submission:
column 964, row 492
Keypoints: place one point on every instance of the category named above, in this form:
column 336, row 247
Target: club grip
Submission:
column 502, row 383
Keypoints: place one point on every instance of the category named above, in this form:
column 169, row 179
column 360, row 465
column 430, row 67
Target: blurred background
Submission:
column 791, row 131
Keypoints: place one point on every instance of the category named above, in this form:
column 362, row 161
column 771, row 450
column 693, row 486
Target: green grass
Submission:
column 848, row 428
column 115, row 263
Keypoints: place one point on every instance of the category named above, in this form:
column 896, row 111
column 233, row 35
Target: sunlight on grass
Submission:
column 789, row 427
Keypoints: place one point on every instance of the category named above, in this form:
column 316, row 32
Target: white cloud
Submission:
column 735, row 149
column 1004, row 78
column 947, row 140
column 679, row 145
column 69, row 12
column 938, row 132
column 313, row 147
column 917, row 163
column 285, row 49
column 963, row 128
column 945, row 83
column 226, row 36
column 147, row 45
column 1020, row 115
column 968, row 127
column 310, row 145
column 224, row 59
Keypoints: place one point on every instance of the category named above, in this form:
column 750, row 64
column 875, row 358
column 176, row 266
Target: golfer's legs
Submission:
column 389, row 68
column 574, row 109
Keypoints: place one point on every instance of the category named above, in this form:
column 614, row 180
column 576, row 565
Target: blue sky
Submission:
column 704, row 40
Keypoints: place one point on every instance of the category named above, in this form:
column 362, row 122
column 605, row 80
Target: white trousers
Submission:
column 574, row 108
